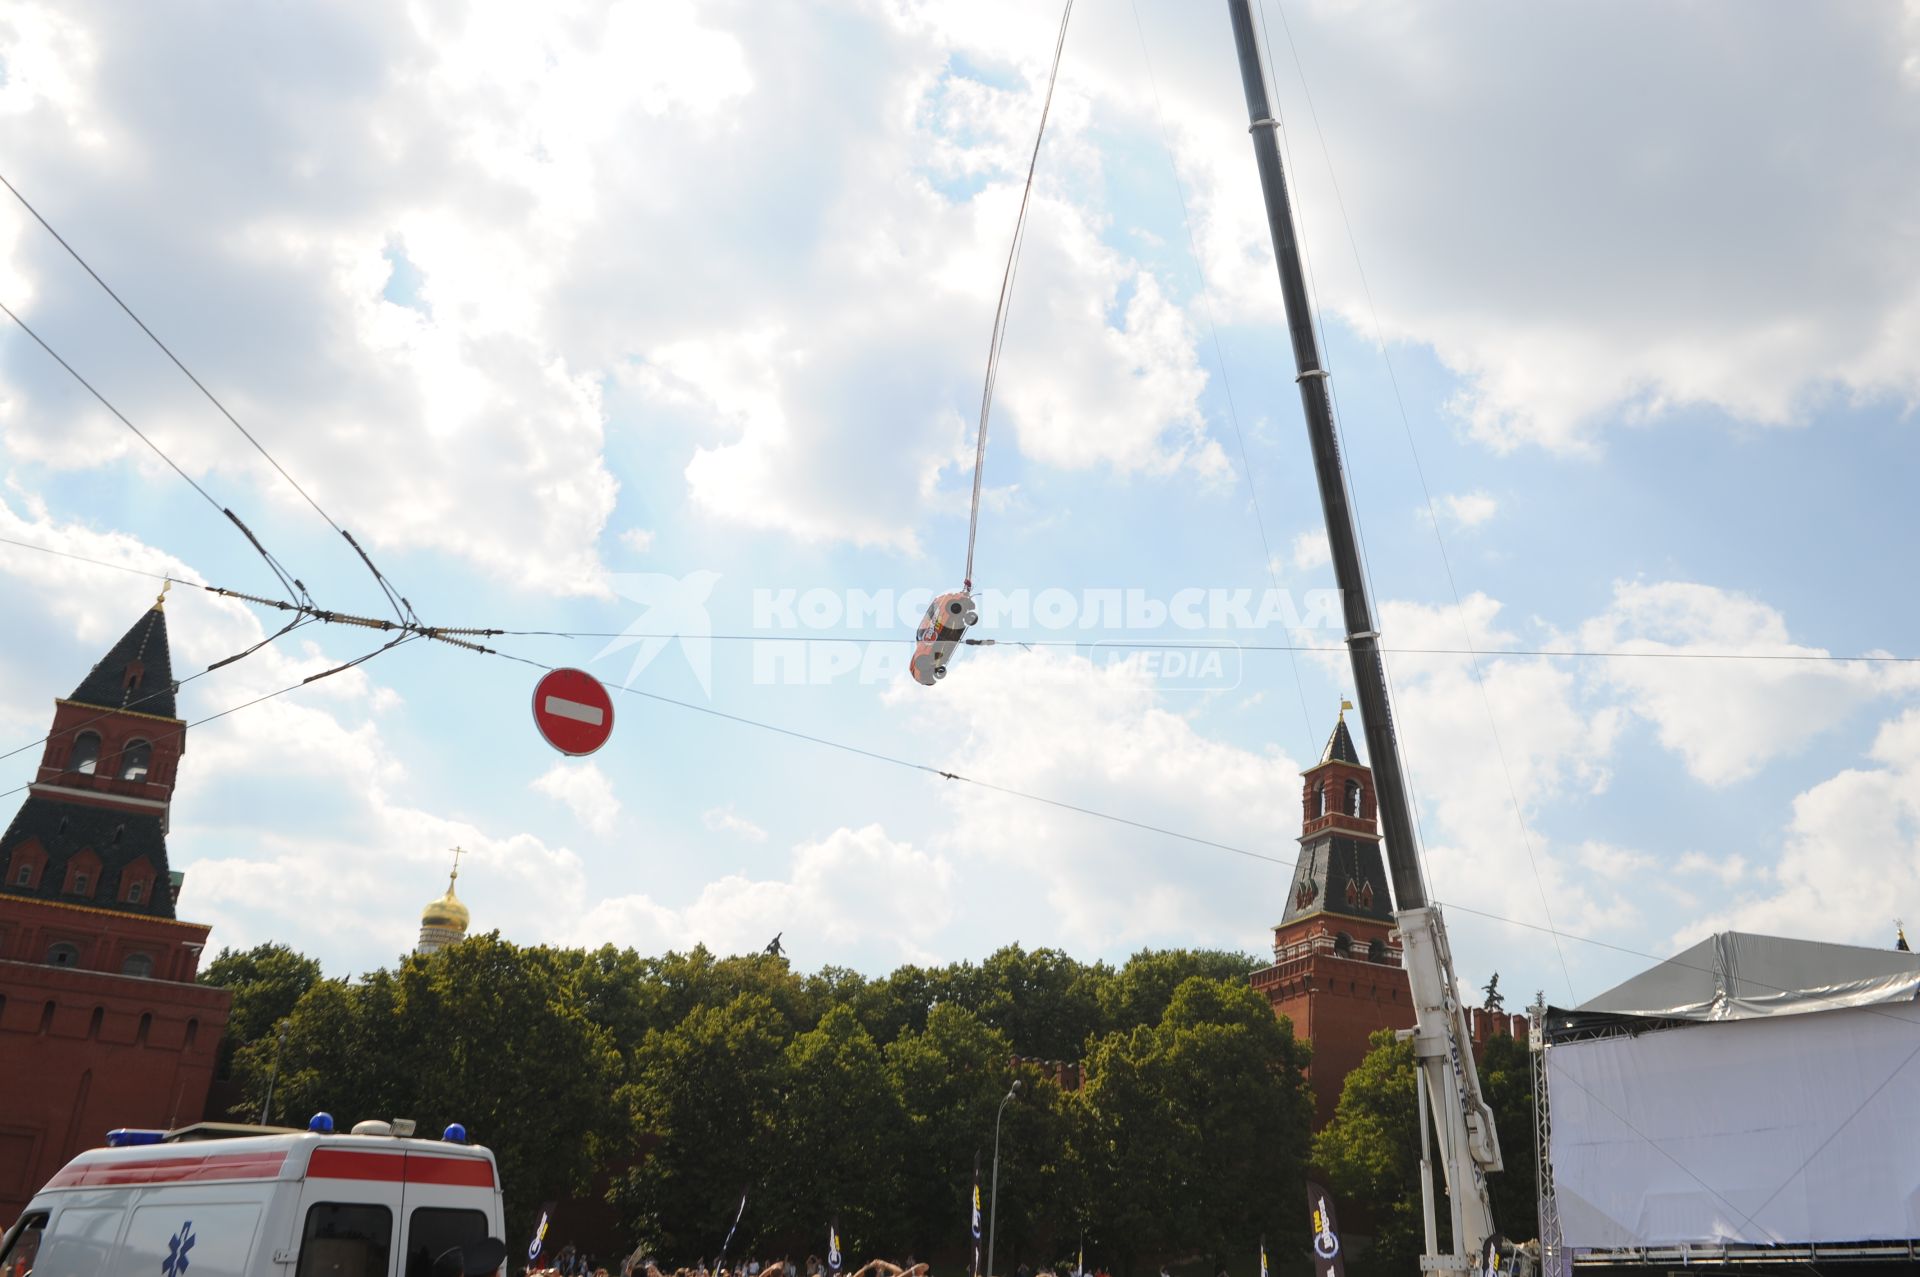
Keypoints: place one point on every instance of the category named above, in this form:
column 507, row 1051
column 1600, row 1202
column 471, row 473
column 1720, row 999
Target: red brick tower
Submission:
column 101, row 1023
column 1336, row 969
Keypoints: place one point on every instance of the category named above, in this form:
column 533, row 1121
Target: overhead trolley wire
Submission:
column 174, row 687
column 910, row 765
column 894, row 760
column 1002, row 307
column 402, row 608
column 234, row 709
column 871, row 754
column 1092, row 640
column 287, row 580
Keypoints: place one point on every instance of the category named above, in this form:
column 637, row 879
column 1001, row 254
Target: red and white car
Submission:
column 946, row 623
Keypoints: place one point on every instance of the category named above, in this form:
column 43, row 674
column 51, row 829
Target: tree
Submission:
column 1506, row 1078
column 484, row 1033
column 1191, row 1134
column 1046, row 1003
column 840, row 1151
column 1140, row 992
column 950, row 1078
column 266, row 982
column 707, row 1093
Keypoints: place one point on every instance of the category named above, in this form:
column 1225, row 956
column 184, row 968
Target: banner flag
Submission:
column 1263, row 1255
column 1327, row 1260
column 736, row 1225
column 539, row 1235
column 833, row 1247
column 976, row 1214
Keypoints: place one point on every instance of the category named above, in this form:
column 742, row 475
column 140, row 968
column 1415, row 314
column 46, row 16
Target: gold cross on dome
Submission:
column 457, row 853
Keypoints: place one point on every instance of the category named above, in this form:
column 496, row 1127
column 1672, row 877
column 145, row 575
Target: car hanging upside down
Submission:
column 941, row 630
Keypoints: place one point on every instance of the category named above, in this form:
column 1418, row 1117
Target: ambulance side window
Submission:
column 345, row 1240
column 18, row 1261
column 434, row 1230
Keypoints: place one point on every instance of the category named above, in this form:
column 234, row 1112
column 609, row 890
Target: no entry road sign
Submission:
column 573, row 711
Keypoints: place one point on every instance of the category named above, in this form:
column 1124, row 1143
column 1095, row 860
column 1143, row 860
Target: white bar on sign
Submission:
column 576, row 711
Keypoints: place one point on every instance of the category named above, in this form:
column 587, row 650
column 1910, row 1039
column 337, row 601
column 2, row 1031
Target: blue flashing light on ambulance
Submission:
column 217, row 1200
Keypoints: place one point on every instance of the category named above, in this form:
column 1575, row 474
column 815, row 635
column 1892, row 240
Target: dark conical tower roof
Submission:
column 1340, row 745
column 136, row 673
column 1340, row 869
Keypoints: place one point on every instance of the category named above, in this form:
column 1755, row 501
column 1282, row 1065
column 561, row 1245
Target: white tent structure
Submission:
column 1752, row 1097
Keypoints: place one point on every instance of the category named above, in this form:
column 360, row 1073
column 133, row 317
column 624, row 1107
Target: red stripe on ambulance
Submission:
column 461, row 1172
column 171, row 1170
column 394, row 1168
column 342, row 1163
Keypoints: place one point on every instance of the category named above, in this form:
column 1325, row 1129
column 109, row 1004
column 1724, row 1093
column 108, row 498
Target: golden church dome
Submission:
column 444, row 922
column 447, row 911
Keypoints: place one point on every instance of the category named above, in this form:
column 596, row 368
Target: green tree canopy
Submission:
column 1192, row 1133
column 484, row 1033
column 708, row 1092
column 265, row 981
column 685, row 1079
column 950, row 1077
column 843, row 1132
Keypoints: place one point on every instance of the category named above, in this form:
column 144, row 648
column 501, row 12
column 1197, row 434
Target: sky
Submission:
column 666, row 323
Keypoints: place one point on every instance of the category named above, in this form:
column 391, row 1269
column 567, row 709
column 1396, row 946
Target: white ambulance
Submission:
column 214, row 1201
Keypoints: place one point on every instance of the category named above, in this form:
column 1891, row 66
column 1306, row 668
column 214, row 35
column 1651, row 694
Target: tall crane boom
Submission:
column 1449, row 1083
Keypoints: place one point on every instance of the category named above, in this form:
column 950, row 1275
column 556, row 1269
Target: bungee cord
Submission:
column 1002, row 307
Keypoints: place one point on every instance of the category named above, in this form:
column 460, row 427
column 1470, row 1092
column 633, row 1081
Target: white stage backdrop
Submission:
column 1797, row 1128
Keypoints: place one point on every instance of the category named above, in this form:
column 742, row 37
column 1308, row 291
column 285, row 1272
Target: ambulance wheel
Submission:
column 973, row 619
column 939, row 671
column 955, row 607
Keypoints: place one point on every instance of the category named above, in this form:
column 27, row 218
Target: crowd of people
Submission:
column 569, row 1262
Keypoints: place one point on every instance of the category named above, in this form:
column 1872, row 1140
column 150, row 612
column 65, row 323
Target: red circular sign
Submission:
column 573, row 711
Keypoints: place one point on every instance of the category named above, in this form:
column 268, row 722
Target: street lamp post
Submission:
column 993, row 1195
column 273, row 1074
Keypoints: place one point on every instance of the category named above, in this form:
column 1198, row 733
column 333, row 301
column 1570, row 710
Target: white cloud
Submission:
column 1731, row 870
column 325, row 886
column 402, row 418
column 1104, row 738
column 1310, row 550
column 1851, row 863
column 1488, row 755
column 639, row 540
column 795, row 401
column 1463, row 208
column 1725, row 718
column 854, row 891
column 584, row 790
column 1468, row 509
column 725, row 820
column 1618, row 864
